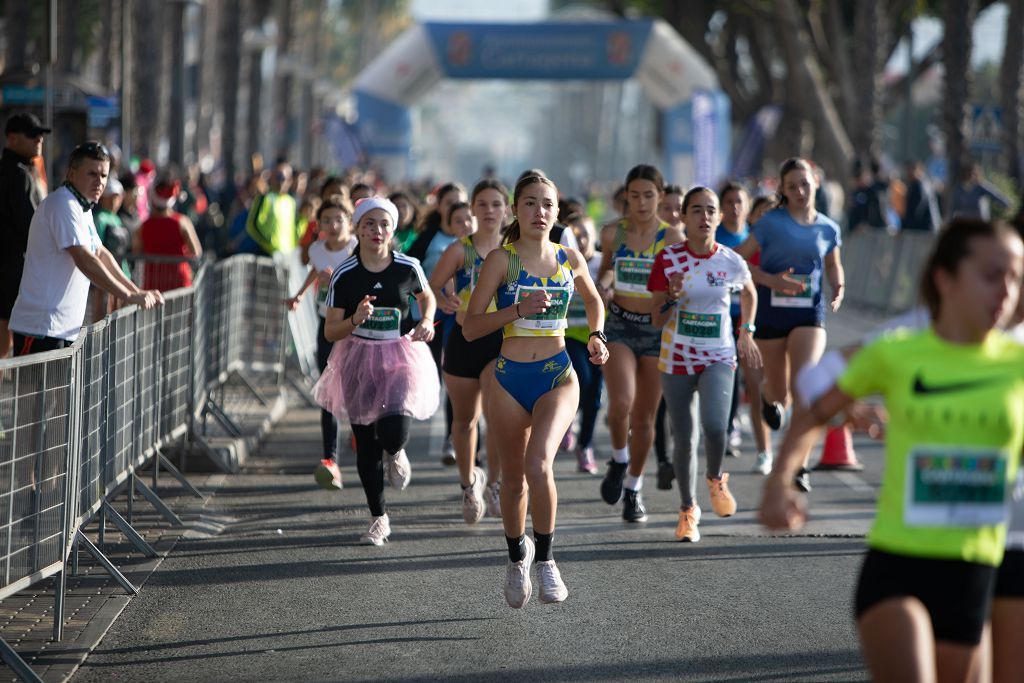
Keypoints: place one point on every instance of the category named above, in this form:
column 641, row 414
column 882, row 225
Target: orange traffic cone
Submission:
column 837, row 453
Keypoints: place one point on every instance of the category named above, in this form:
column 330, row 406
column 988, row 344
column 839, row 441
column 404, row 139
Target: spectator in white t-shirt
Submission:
column 64, row 254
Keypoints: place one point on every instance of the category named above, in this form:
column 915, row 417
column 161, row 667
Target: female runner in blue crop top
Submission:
column 531, row 281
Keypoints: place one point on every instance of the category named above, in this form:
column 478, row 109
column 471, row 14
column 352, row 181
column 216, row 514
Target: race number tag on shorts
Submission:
column 576, row 316
column 956, row 487
column 554, row 317
column 699, row 329
column 383, row 323
column 804, row 299
column 631, row 275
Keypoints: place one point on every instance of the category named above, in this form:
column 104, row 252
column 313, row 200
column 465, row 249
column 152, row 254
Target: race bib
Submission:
column 631, row 275
column 577, row 313
column 383, row 323
column 804, row 299
column 699, row 329
column 554, row 317
column 956, row 487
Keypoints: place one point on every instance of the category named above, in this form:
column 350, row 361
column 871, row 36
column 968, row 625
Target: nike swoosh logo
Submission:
column 921, row 388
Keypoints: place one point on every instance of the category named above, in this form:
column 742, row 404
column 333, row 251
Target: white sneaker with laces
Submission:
column 377, row 534
column 492, row 497
column 518, row 586
column 764, row 463
column 399, row 470
column 551, row 587
column 473, row 498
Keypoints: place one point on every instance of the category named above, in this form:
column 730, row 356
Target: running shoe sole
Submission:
column 325, row 478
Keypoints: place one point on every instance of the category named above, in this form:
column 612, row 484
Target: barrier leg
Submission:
column 131, row 498
column 252, row 388
column 229, row 426
column 60, row 585
column 130, row 533
column 161, row 507
column 114, row 572
column 101, row 537
column 17, row 664
column 302, row 390
column 74, row 557
column 162, row 461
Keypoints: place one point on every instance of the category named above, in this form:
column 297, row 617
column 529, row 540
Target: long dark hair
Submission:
column 696, row 189
column 489, row 184
column 511, row 231
column 645, row 172
column 951, row 247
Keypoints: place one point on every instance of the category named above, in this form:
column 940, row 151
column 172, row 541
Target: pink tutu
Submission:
column 367, row 380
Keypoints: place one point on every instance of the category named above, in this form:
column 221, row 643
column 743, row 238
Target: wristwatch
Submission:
column 600, row 335
column 749, row 327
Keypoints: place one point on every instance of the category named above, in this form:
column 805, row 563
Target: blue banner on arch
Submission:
column 585, row 51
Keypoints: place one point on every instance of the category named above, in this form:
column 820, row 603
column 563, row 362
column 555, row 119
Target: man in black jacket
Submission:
column 20, row 194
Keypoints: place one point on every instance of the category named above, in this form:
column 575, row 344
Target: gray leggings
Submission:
column 714, row 386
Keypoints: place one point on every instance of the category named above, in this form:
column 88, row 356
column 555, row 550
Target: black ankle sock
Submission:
column 516, row 548
column 543, row 546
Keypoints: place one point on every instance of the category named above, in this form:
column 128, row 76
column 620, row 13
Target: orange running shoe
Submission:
column 687, row 527
column 722, row 501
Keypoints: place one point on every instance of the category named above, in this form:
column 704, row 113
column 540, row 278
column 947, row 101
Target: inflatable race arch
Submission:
column 695, row 137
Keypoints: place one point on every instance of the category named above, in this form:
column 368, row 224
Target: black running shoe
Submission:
column 803, row 480
column 633, row 509
column 666, row 473
column 772, row 414
column 611, row 485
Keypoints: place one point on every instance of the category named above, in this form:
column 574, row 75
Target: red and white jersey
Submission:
column 699, row 331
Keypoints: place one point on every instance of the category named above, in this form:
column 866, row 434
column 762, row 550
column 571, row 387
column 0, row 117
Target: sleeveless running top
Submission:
column 519, row 282
column 632, row 269
column 465, row 277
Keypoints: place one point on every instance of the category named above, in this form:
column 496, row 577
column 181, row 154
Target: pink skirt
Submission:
column 366, row 380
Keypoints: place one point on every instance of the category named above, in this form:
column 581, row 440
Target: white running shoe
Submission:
column 492, row 497
column 399, row 470
column 473, row 498
column 551, row 587
column 764, row 463
column 518, row 586
column 377, row 534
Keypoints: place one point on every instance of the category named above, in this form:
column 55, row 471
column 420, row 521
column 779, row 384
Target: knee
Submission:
column 464, row 424
column 618, row 407
column 538, row 471
column 513, row 486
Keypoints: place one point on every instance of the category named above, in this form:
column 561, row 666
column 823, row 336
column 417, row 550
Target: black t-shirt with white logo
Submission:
column 393, row 287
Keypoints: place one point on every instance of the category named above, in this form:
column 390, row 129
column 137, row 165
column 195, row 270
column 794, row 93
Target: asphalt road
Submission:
column 285, row 593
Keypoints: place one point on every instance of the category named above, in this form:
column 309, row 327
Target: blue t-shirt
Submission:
column 730, row 239
column 787, row 244
column 438, row 244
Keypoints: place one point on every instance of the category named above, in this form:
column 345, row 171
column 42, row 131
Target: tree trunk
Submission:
column 16, row 14
column 259, row 9
column 229, row 60
column 958, row 23
column 283, row 123
column 147, row 66
column 1011, row 89
column 869, row 42
column 833, row 147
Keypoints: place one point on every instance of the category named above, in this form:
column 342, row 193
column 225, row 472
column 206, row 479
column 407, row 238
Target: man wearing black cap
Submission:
column 20, row 194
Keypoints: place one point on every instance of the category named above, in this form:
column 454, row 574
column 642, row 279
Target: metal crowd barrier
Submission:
column 77, row 424
column 882, row 269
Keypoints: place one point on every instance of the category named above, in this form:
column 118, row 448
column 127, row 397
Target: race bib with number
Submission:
column 956, row 487
column 554, row 317
column 699, row 329
column 804, row 299
column 631, row 275
column 383, row 323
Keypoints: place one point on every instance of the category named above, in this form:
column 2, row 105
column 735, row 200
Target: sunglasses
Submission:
column 91, row 147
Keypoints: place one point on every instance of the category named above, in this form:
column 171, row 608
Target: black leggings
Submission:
column 328, row 423
column 386, row 434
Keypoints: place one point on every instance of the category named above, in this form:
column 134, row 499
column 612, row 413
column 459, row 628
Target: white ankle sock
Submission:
column 620, row 455
column 633, row 483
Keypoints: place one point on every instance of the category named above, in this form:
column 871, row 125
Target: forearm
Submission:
column 836, row 276
column 480, row 325
column 759, row 277
column 595, row 313
column 661, row 309
column 336, row 329
column 114, row 269
column 94, row 269
column 310, row 279
column 803, row 433
column 748, row 305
